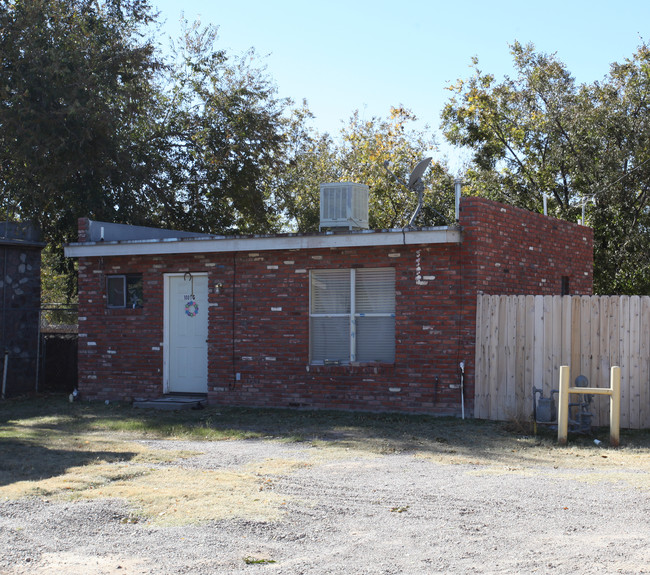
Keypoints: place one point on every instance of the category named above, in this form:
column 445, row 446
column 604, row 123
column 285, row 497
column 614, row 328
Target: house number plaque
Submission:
column 191, row 307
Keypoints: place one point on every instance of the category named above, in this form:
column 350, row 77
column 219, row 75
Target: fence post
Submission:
column 615, row 406
column 563, row 407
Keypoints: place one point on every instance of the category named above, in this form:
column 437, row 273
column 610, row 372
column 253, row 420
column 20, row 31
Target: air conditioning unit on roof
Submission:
column 344, row 205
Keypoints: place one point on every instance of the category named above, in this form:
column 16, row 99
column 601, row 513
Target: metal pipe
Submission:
column 419, row 207
column 4, row 298
column 233, row 319
column 4, row 373
column 38, row 347
column 458, row 188
column 4, row 313
column 462, row 389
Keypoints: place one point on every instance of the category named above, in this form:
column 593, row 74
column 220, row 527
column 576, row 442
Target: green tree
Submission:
column 359, row 156
column 75, row 86
column 226, row 135
column 94, row 123
column 542, row 134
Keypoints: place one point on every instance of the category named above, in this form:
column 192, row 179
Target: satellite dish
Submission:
column 417, row 173
column 415, row 183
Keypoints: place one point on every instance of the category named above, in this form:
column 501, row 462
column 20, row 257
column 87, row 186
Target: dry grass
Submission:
column 58, row 451
column 154, row 482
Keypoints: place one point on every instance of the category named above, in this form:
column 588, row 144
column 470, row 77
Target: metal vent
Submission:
column 344, row 205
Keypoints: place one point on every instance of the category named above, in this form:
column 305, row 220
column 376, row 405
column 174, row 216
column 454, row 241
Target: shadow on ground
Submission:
column 372, row 432
column 25, row 460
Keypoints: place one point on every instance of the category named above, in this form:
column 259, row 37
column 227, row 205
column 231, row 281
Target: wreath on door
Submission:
column 191, row 308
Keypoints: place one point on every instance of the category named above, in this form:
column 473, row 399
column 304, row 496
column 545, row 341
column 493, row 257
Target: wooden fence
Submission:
column 521, row 342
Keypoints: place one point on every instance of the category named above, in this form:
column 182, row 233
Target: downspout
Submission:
column 4, row 373
column 4, row 317
column 38, row 347
column 458, row 186
column 233, row 301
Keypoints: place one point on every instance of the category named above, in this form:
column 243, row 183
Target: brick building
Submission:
column 368, row 320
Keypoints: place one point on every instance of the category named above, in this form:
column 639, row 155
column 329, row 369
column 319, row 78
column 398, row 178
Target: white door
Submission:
column 187, row 333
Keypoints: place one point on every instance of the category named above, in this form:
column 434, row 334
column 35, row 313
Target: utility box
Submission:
column 344, row 205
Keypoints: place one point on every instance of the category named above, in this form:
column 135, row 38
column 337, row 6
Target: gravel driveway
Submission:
column 352, row 513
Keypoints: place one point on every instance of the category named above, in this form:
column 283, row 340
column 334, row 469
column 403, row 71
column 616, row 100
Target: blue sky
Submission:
column 369, row 56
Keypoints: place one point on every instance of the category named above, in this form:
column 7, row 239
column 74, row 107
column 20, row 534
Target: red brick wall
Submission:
column 120, row 351
column 510, row 251
column 514, row 251
column 272, row 335
column 259, row 322
column 83, row 224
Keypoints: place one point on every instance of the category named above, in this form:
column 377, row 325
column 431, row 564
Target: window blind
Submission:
column 352, row 315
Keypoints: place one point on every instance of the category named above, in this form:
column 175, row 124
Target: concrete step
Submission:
column 171, row 403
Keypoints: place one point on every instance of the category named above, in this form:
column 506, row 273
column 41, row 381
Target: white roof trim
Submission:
column 441, row 235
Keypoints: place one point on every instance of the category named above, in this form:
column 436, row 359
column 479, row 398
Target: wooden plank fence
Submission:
column 521, row 342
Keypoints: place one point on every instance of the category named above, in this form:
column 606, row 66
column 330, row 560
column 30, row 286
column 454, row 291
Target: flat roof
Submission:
column 22, row 244
column 220, row 244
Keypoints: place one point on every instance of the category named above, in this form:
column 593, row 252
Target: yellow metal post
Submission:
column 615, row 406
column 563, row 407
column 614, row 392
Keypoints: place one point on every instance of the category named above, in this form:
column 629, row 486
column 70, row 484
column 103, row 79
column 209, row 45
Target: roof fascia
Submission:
column 442, row 235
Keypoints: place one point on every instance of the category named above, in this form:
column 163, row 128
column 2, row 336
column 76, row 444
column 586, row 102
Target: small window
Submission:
column 124, row 291
column 352, row 316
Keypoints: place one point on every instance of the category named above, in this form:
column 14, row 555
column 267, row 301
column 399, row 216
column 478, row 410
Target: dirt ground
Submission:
column 332, row 505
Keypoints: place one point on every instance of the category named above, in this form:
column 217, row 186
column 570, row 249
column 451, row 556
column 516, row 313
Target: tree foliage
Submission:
column 541, row 133
column 311, row 160
column 359, row 156
column 226, row 138
column 74, row 90
column 94, row 122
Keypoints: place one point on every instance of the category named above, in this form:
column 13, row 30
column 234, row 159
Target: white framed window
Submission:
column 352, row 316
